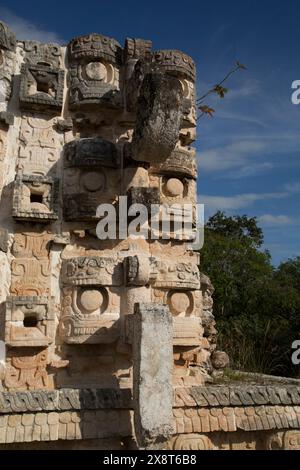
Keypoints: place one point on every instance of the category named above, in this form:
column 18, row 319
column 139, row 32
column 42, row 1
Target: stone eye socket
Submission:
column 36, row 198
column 30, row 321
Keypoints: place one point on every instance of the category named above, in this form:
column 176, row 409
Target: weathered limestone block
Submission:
column 182, row 274
column 3, row 240
column 7, row 60
column 180, row 164
column 85, row 189
column 152, row 369
column 137, row 52
column 6, row 118
column 219, row 360
column 159, row 116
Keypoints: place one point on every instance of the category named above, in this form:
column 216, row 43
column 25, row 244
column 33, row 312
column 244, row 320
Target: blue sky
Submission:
column 249, row 152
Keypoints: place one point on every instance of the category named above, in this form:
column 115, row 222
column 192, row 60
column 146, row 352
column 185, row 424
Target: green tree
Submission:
column 257, row 307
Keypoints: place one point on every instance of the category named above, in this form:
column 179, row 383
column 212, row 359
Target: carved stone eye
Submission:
column 93, row 181
column 179, row 302
column 96, row 71
column 91, row 300
column 174, row 187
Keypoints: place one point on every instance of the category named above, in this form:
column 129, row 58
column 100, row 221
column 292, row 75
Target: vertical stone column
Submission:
column 152, row 373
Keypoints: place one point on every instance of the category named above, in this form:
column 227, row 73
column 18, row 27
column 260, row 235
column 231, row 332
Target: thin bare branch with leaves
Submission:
column 218, row 89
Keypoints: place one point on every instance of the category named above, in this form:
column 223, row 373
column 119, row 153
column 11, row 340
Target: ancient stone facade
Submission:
column 110, row 342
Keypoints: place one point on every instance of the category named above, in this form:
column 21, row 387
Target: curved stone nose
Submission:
column 159, row 118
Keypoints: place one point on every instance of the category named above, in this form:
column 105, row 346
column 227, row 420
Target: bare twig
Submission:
column 219, row 89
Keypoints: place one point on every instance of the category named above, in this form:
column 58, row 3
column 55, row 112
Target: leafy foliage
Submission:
column 257, row 306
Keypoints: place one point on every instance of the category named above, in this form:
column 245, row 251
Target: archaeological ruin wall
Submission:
column 110, row 343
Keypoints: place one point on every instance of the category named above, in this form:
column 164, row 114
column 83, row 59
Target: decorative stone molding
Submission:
column 65, row 399
column 64, row 426
column 175, row 63
column 240, row 395
column 94, row 270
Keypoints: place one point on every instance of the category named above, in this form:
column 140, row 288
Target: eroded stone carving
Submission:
column 94, row 71
column 39, row 146
column 90, row 315
column 28, row 372
column 41, row 87
column 289, row 440
column 29, row 321
column 30, row 268
column 105, row 271
column 42, row 78
column 159, row 117
column 35, row 198
column 7, row 60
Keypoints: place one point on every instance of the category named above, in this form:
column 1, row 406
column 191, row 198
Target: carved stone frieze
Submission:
column 39, row 146
column 91, row 153
column 36, row 52
column 175, row 63
column 96, row 270
column 28, row 372
column 30, row 268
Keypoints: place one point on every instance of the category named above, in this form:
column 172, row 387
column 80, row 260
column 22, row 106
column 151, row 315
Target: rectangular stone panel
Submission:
column 152, row 372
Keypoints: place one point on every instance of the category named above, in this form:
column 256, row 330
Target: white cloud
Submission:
column 230, row 156
column 244, row 154
column 24, row 29
column 274, row 220
column 251, row 170
column 239, row 201
column 293, row 187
